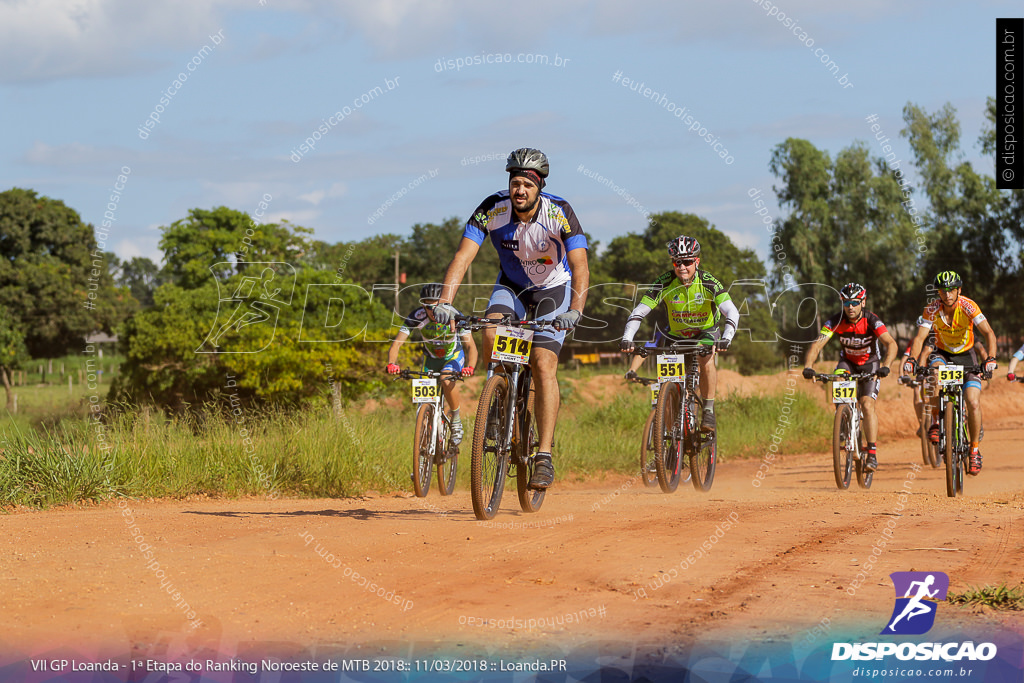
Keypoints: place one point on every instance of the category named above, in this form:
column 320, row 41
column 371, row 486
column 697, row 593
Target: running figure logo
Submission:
column 917, row 597
column 255, row 299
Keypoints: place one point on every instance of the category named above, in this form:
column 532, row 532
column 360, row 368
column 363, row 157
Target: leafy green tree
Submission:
column 141, row 277
column 229, row 238
column 50, row 281
column 268, row 333
column 976, row 229
column 12, row 353
column 847, row 222
column 633, row 261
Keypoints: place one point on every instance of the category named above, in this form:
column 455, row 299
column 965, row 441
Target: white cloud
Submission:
column 42, row 40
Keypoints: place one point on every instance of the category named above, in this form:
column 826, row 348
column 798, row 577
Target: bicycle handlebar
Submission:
column 843, row 377
column 685, row 346
column 646, row 381
column 473, row 322
column 445, row 374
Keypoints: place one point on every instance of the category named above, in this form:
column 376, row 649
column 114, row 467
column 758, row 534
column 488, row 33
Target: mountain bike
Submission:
column 954, row 436
column 648, row 468
column 930, row 453
column 432, row 440
column 849, row 444
column 505, row 435
column 677, row 415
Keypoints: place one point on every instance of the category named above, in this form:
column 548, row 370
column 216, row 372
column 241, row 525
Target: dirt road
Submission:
column 605, row 561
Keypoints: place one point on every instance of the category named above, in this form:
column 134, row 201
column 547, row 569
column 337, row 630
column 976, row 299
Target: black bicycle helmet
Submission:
column 431, row 291
column 528, row 159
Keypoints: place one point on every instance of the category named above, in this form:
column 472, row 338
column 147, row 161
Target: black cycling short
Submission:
column 966, row 359
column 866, row 387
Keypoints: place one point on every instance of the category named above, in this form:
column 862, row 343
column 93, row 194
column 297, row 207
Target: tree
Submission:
column 51, row 282
column 267, row 327
column 976, row 228
column 227, row 237
column 141, row 277
column 12, row 353
column 633, row 261
column 847, row 223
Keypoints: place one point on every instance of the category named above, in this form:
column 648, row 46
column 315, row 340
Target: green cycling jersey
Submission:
column 691, row 308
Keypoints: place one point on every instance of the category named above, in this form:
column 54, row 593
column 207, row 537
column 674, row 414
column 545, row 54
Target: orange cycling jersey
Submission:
column 953, row 334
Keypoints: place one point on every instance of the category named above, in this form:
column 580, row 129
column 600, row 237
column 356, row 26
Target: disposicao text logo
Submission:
column 917, row 598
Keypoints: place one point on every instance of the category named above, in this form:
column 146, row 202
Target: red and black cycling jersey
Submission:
column 859, row 339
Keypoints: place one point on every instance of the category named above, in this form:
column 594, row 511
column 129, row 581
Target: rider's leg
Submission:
column 544, row 364
column 972, row 396
column 708, row 376
column 867, row 405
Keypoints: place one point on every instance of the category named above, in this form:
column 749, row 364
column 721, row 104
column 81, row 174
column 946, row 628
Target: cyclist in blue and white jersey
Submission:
column 543, row 255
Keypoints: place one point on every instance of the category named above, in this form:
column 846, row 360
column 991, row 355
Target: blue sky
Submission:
column 81, row 77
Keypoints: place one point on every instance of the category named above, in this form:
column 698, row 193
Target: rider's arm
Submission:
column 891, row 348
column 470, row 347
column 815, row 349
column 1017, row 357
column 990, row 337
column 395, row 346
column 464, row 256
column 918, row 343
column 732, row 319
column 580, row 278
column 634, row 320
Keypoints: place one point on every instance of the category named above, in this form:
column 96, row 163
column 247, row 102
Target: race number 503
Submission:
column 425, row 390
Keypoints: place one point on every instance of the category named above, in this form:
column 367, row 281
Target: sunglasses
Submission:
column 851, row 302
column 684, row 261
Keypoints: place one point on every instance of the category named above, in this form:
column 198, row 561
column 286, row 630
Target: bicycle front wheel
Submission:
column 422, row 460
column 447, row 463
column 953, row 453
column 705, row 452
column 648, row 470
column 668, row 429
column 528, row 443
column 842, row 458
column 863, row 476
column 489, row 460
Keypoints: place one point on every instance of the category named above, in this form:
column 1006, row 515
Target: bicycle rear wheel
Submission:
column 489, row 461
column 422, row 460
column 863, row 476
column 953, row 453
column 648, row 453
column 528, row 444
column 447, row 462
column 842, row 458
column 705, row 452
column 668, row 430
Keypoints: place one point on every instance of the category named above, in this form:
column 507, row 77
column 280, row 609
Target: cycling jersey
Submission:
column 532, row 255
column 439, row 341
column 692, row 308
column 956, row 333
column 859, row 339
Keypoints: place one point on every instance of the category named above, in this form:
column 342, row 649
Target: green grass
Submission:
column 995, row 597
column 57, row 457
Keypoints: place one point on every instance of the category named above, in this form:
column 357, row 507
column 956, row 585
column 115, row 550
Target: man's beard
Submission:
column 529, row 209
